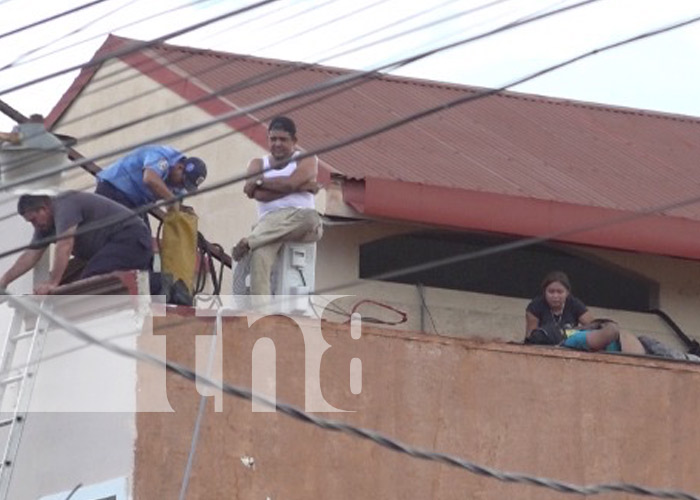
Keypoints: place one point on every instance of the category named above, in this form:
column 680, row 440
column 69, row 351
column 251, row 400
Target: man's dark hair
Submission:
column 285, row 124
column 31, row 202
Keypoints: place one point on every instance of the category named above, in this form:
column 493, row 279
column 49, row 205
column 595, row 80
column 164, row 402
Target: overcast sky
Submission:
column 660, row 73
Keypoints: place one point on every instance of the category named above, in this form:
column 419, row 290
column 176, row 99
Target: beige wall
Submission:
column 576, row 417
column 490, row 316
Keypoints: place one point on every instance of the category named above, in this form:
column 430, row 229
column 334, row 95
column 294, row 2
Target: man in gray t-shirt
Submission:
column 99, row 231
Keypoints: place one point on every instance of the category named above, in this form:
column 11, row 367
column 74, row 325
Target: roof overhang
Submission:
column 651, row 233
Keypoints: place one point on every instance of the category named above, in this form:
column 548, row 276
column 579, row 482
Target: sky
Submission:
column 660, row 73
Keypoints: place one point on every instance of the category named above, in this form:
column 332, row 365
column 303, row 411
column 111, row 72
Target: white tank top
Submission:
column 292, row 200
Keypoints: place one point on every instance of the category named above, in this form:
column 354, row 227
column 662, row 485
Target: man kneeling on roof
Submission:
column 100, row 232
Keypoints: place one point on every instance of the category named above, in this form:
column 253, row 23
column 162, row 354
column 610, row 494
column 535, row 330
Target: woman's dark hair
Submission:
column 283, row 123
column 554, row 276
column 31, row 202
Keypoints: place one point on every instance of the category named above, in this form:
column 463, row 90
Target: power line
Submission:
column 51, row 18
column 139, row 21
column 249, row 82
column 374, row 437
column 320, row 26
column 329, row 84
column 137, row 46
column 21, row 57
column 285, row 71
column 178, row 60
column 278, row 73
column 74, row 491
column 274, row 72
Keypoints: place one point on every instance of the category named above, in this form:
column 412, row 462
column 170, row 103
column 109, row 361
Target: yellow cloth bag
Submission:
column 178, row 247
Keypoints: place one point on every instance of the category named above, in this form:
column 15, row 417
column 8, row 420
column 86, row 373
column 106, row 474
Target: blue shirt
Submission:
column 126, row 174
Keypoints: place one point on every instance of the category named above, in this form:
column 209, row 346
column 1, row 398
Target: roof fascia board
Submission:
column 528, row 217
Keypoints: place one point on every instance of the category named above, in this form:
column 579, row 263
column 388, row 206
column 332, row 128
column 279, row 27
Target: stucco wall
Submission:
column 576, row 417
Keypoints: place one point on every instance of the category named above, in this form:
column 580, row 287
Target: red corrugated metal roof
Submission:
column 509, row 144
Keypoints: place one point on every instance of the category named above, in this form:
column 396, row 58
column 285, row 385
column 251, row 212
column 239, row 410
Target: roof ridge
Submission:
column 423, row 82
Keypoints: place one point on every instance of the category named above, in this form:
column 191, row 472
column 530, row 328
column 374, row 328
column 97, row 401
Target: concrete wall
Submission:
column 576, row 417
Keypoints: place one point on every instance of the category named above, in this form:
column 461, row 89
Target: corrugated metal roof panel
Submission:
column 513, row 144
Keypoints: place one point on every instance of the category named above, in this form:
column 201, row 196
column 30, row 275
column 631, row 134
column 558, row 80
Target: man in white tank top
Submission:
column 284, row 190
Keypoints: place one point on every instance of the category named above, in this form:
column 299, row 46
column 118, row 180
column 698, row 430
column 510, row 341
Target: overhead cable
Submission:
column 80, row 42
column 267, row 76
column 329, row 84
column 51, row 18
column 137, row 46
column 189, row 53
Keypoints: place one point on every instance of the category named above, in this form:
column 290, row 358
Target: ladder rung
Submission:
column 25, row 334
column 9, row 421
column 11, row 379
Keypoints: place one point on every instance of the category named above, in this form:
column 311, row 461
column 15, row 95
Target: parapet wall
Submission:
column 576, row 417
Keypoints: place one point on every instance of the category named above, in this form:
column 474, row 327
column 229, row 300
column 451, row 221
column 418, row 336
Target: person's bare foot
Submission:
column 240, row 249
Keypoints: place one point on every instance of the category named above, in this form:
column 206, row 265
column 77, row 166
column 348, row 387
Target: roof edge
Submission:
column 407, row 80
column 83, row 78
column 656, row 234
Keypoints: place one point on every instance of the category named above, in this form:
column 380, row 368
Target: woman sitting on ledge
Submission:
column 555, row 308
column 556, row 317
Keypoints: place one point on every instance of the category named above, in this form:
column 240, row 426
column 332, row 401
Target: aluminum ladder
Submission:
column 28, row 332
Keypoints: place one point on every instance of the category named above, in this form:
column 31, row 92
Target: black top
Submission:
column 573, row 309
column 86, row 209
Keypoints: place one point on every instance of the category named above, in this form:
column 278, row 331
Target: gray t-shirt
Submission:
column 76, row 208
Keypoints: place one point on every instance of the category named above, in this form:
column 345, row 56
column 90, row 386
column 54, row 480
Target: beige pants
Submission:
column 301, row 225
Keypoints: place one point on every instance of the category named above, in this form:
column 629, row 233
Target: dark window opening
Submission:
column 514, row 273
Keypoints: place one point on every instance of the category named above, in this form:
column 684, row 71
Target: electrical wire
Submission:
column 137, row 46
column 89, row 24
column 342, row 79
column 319, row 26
column 200, row 417
column 249, row 82
column 190, row 53
column 372, row 436
column 51, row 18
column 265, row 77
column 111, row 83
column 233, row 87
column 74, row 491
column 424, row 304
column 133, row 23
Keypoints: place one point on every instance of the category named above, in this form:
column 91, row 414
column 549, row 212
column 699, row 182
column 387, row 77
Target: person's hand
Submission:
column 250, row 187
column 44, row 288
column 313, row 187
